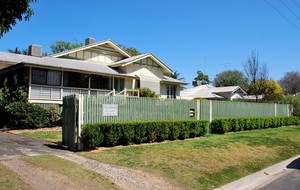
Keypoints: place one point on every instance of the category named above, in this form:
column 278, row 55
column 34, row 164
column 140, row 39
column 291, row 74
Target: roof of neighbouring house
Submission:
column 209, row 92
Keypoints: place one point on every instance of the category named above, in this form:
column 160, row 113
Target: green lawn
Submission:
column 53, row 136
column 86, row 178
column 210, row 161
column 9, row 180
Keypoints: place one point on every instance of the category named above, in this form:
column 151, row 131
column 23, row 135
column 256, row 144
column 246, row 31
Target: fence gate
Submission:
column 69, row 131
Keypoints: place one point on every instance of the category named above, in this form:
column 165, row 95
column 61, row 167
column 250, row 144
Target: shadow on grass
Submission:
column 295, row 164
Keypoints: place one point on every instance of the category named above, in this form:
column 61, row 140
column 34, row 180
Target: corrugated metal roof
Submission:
column 208, row 91
column 59, row 63
column 172, row 80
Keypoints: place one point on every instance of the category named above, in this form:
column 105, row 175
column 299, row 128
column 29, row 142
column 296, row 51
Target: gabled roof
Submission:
column 110, row 42
column 209, row 92
column 136, row 58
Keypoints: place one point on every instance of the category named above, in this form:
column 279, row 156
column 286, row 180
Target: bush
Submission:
column 221, row 126
column 24, row 115
column 91, row 137
column 125, row 133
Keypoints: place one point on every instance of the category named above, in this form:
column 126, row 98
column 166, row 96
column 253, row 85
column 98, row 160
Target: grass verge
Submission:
column 86, row 178
column 208, row 162
column 9, row 180
column 53, row 136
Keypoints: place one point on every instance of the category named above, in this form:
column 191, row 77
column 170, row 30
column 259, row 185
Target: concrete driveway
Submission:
column 12, row 146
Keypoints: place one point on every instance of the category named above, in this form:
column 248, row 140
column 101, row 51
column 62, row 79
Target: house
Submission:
column 213, row 93
column 101, row 68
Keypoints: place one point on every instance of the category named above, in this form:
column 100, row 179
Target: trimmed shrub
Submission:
column 184, row 131
column 112, row 134
column 174, row 131
column 221, row 126
column 163, row 131
column 91, row 136
column 125, row 133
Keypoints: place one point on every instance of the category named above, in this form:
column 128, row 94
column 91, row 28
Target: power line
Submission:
column 289, row 9
column 287, row 19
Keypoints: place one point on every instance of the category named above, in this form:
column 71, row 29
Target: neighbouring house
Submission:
column 101, row 68
column 213, row 93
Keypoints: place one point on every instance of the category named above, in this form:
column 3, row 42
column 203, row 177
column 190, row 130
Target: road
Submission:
column 288, row 179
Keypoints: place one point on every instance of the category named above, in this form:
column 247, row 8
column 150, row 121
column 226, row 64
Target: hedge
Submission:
column 223, row 125
column 126, row 133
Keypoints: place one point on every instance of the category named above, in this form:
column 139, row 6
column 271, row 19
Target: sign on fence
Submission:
column 110, row 109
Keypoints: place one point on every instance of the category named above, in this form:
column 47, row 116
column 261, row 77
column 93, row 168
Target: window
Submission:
column 46, row 77
column 78, row 80
column 171, row 92
column 100, row 82
column 118, row 84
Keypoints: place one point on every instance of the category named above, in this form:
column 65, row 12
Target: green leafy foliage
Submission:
column 125, row 133
column 17, row 113
column 147, row 92
column 223, row 125
column 61, row 46
column 23, row 115
column 11, row 11
column 295, row 102
column 231, row 78
column 91, row 137
column 202, row 77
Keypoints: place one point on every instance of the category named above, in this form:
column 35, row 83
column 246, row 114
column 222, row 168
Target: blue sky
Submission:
column 187, row 35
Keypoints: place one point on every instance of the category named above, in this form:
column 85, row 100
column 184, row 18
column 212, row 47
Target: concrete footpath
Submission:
column 262, row 177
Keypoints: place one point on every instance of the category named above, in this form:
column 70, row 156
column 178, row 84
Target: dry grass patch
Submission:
column 10, row 181
column 82, row 178
column 211, row 161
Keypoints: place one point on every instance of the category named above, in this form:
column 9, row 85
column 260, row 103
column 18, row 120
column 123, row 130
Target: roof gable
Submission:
column 94, row 46
column 141, row 57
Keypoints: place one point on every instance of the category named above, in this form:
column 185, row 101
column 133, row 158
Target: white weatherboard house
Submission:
column 213, row 93
column 101, row 68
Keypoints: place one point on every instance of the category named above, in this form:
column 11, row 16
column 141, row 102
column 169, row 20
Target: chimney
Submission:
column 35, row 50
column 89, row 41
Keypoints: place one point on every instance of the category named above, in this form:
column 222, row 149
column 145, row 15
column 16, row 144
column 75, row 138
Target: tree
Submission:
column 131, row 50
column 23, row 51
column 255, row 71
column 290, row 82
column 231, row 78
column 202, row 77
column 11, row 11
column 18, row 51
column 270, row 90
column 61, row 46
column 174, row 75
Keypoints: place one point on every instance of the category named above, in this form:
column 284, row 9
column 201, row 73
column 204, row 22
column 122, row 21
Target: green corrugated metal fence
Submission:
column 69, row 122
column 133, row 109
column 94, row 109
